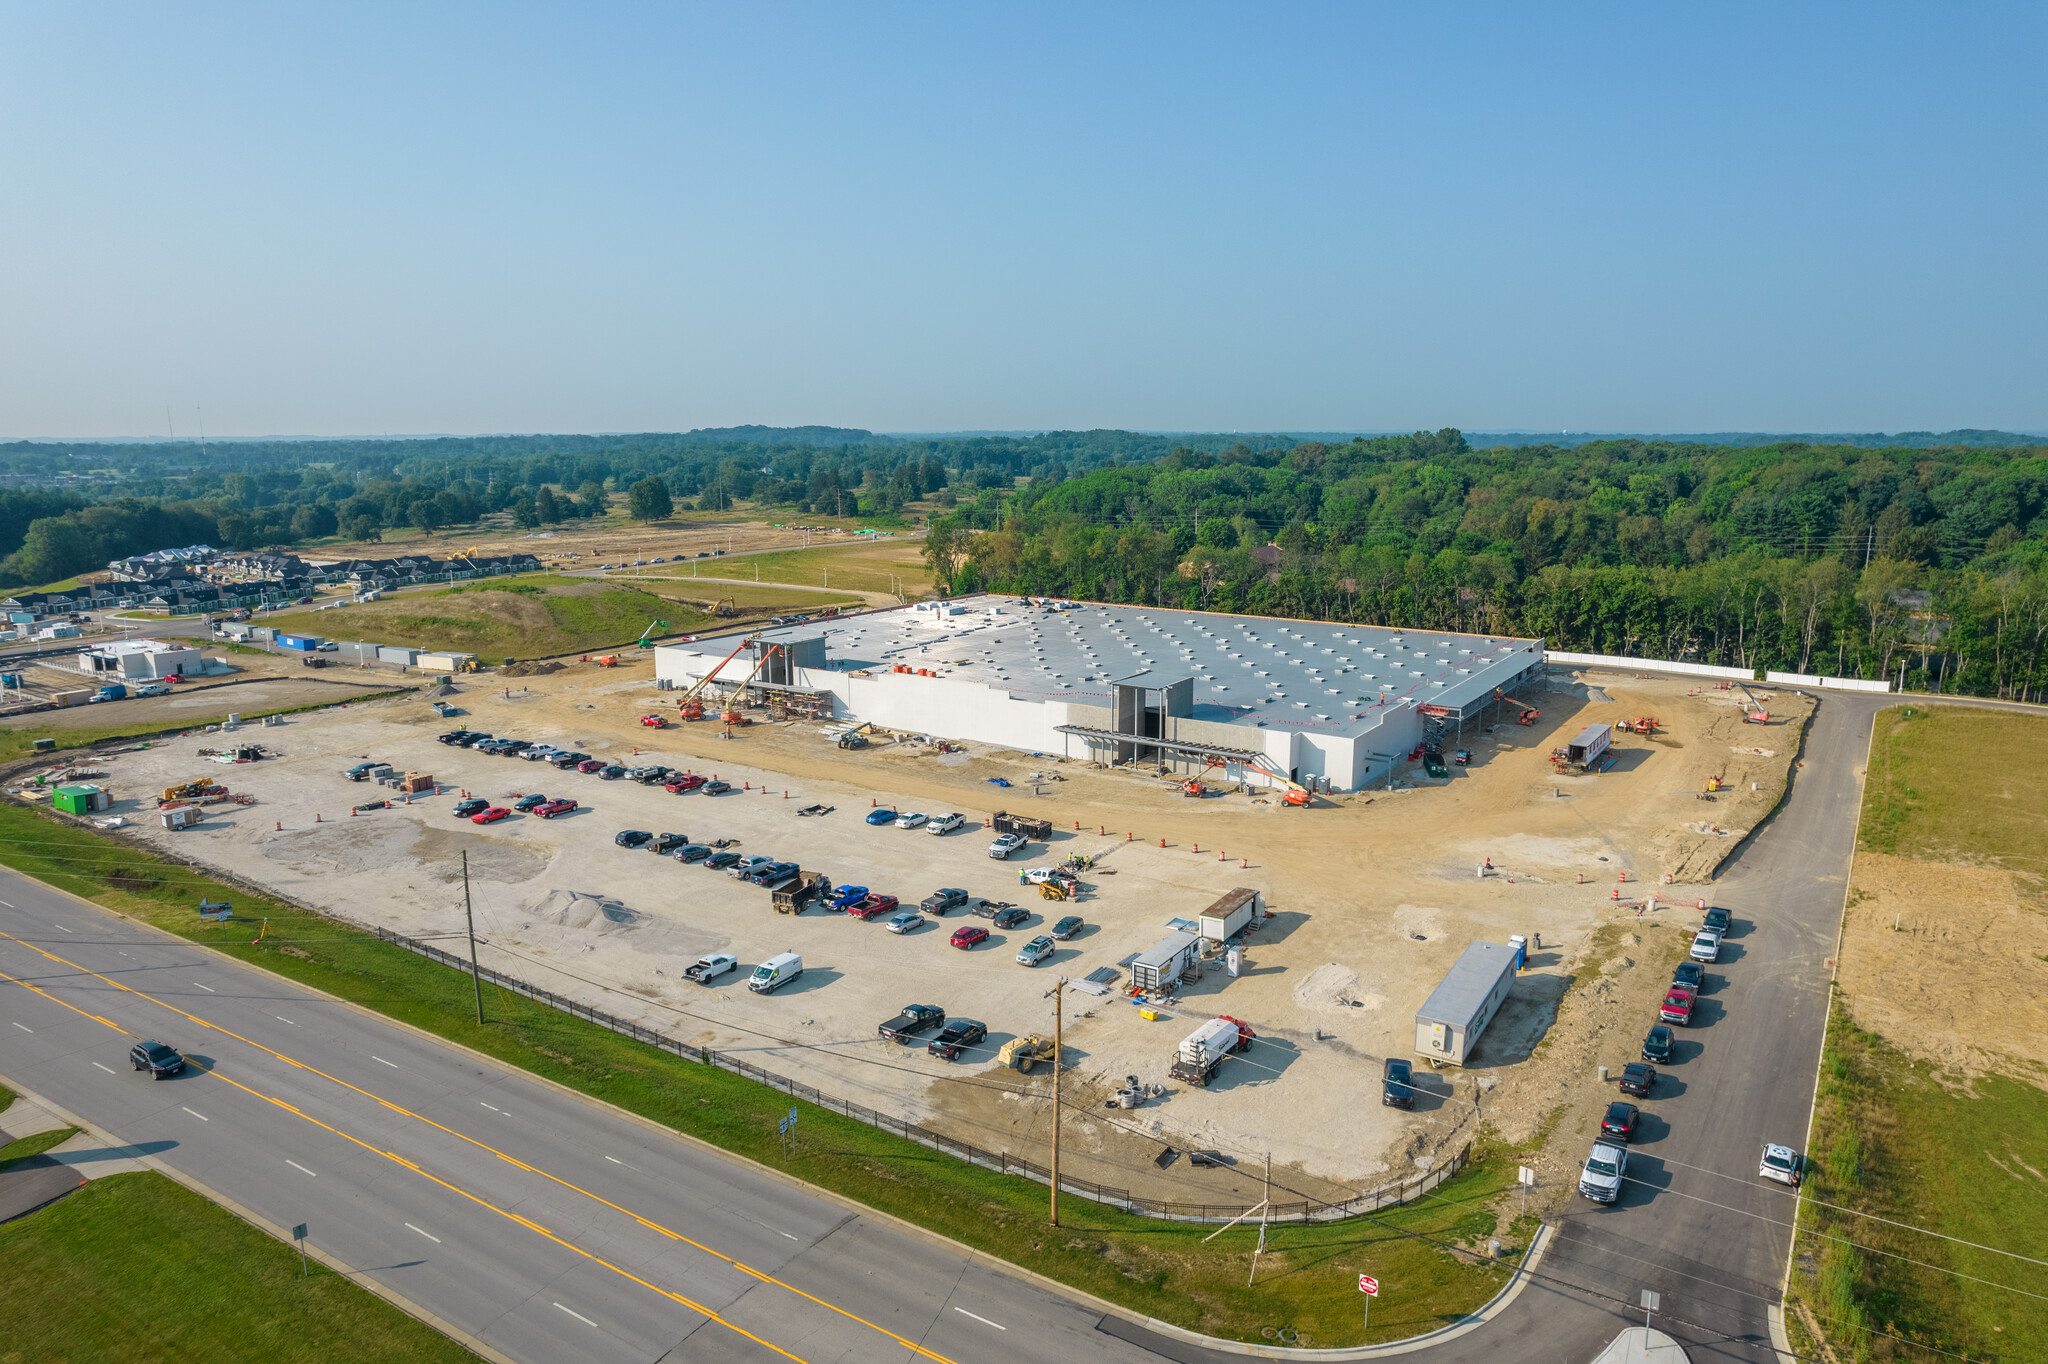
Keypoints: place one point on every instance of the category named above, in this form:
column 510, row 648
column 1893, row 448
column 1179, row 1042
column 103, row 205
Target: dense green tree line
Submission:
column 1802, row 558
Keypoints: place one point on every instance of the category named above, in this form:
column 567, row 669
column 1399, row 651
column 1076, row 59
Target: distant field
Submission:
column 544, row 614
column 137, row 1268
column 868, row 567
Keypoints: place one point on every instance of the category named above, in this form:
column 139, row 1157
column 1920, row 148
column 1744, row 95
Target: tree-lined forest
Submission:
column 1855, row 556
column 1846, row 560
column 100, row 501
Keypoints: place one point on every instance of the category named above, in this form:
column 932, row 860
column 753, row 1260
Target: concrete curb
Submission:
column 1524, row 1272
column 263, row 1224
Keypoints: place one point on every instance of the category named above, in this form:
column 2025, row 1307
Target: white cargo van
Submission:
column 776, row 972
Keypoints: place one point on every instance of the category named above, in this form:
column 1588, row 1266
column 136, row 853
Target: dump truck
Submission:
column 1203, row 1050
column 791, row 895
column 1022, row 825
column 1022, row 1053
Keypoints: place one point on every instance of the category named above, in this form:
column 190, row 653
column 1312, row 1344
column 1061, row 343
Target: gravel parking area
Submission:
column 1366, row 917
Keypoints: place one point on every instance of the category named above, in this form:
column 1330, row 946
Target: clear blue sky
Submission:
column 497, row 217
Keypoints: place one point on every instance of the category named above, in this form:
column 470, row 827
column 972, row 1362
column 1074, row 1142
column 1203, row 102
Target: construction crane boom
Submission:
column 699, row 684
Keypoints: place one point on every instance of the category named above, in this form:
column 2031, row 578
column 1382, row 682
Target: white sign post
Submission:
column 1369, row 1286
column 1526, row 1177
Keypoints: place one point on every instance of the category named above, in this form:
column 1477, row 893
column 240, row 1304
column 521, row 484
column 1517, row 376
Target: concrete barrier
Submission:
column 1816, row 680
column 1647, row 665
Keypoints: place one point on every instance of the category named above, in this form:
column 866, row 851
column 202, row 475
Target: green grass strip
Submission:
column 28, row 1147
column 1307, row 1279
column 137, row 1268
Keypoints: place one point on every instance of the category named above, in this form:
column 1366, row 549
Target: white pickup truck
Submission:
column 707, row 969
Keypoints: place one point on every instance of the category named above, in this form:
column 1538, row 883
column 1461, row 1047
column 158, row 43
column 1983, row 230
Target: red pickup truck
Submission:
column 874, row 906
column 553, row 808
column 1678, row 1002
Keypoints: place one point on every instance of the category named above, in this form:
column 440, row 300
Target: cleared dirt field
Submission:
column 1374, row 897
column 612, row 538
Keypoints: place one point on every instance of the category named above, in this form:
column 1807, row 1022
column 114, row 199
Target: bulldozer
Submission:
column 1022, row 1053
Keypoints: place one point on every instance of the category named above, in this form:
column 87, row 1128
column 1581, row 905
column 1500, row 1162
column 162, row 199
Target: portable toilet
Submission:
column 1520, row 944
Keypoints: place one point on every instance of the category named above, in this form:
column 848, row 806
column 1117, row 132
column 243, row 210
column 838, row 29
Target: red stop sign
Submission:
column 1367, row 1284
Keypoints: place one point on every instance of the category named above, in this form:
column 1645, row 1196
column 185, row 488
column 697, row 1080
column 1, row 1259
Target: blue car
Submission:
column 846, row 897
column 881, row 816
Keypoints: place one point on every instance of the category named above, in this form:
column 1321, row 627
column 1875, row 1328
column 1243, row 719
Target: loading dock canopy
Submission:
column 1110, row 736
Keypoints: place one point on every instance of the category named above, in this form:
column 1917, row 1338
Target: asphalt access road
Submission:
column 579, row 1278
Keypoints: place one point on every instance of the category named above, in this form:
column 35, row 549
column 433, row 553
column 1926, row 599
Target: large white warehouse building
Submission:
column 1249, row 697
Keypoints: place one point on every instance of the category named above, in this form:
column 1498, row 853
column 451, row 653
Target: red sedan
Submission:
column 874, row 906
column 553, row 808
column 970, row 935
column 490, row 816
column 689, row 781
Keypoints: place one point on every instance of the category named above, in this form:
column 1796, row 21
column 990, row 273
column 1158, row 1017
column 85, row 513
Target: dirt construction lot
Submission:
column 1373, row 896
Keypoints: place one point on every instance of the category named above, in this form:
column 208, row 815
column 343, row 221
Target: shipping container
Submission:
column 1591, row 742
column 397, row 653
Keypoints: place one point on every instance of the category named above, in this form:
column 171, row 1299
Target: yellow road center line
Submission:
column 757, row 1274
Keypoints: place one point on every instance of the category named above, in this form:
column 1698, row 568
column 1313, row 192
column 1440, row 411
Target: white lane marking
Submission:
column 983, row 1320
column 61, row 926
column 3, row 902
column 392, row 1064
column 201, row 1116
column 110, row 1072
column 482, row 1104
column 282, row 1019
column 296, row 1166
column 208, row 988
column 613, row 1159
column 579, row 1316
column 24, row 1027
column 428, row 1234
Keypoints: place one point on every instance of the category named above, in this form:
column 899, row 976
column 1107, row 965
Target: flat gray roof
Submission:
column 1257, row 671
column 1462, row 993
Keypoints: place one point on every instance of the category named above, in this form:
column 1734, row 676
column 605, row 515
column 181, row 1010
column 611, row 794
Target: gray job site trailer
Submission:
column 1160, row 966
column 1448, row 1025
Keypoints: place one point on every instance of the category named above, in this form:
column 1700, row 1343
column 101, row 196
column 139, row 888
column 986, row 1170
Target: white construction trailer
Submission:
column 1448, row 1025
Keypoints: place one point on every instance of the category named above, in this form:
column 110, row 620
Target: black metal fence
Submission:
column 999, row 1161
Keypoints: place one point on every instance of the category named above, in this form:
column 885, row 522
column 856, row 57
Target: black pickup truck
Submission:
column 914, row 1019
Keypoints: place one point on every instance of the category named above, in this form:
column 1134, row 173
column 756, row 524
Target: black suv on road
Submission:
column 161, row 1061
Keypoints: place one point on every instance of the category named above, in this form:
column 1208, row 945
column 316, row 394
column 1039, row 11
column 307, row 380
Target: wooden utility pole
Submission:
column 475, row 975
column 1058, row 1000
